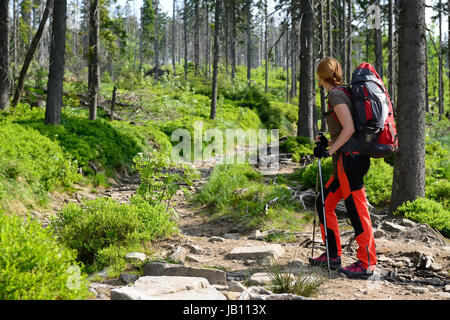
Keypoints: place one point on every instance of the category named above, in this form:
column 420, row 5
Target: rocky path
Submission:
column 413, row 260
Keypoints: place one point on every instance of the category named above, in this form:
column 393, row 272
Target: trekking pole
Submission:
column 324, row 216
column 315, row 216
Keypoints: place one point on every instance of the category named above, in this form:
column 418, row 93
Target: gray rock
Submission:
column 216, row 239
column 447, row 288
column 214, row 276
column 408, row 223
column 195, row 249
column 436, row 267
column 168, row 288
column 259, row 293
column 260, row 279
column 257, row 253
column 420, row 290
column 434, row 281
column 100, row 289
column 179, row 254
column 192, row 258
column 379, row 234
column 235, row 286
column 392, row 227
column 234, row 236
column 136, row 256
column 128, row 277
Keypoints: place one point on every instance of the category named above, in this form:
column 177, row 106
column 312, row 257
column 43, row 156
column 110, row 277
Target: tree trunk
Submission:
column 217, row 14
column 305, row 110
column 343, row 38
column 156, row 41
column 173, row 36
column 323, row 123
column 233, row 39
column 266, row 48
column 196, row 37
column 378, row 49
column 329, row 29
column 4, row 54
column 141, row 36
column 185, row 38
column 409, row 165
column 113, row 104
column 441, row 80
column 427, row 102
column 249, row 41
column 56, row 69
column 30, row 53
column 287, row 65
column 93, row 57
column 391, row 49
column 349, row 42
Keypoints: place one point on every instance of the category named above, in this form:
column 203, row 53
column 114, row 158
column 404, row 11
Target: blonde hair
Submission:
column 330, row 70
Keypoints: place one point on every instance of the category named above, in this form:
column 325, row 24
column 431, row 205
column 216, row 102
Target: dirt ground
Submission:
column 403, row 271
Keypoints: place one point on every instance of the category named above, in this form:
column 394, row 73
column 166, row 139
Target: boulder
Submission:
column 136, row 256
column 167, row 269
column 168, row 288
column 257, row 253
column 235, row 286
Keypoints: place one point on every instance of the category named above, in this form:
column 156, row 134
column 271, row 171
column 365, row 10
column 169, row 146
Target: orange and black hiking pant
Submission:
column 348, row 185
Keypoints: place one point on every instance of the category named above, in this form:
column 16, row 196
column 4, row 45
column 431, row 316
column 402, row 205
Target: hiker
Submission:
column 346, row 182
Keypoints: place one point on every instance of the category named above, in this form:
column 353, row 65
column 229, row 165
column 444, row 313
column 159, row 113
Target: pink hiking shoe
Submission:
column 356, row 270
column 321, row 261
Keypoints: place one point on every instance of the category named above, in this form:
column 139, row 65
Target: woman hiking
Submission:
column 349, row 168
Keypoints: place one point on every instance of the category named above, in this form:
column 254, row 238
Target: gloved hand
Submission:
column 320, row 151
column 323, row 140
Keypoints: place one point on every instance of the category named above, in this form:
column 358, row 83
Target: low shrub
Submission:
column 427, row 211
column 34, row 266
column 299, row 147
column 103, row 222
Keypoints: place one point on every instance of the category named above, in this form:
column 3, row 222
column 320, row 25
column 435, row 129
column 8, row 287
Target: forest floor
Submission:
column 413, row 260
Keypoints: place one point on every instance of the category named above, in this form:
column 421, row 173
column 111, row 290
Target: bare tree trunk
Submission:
column 329, row 29
column 305, row 110
column 196, row 37
column 349, row 42
column 266, row 48
column 56, row 70
column 378, row 49
column 391, row 49
column 173, row 35
column 217, row 14
column 233, row 39
column 249, row 40
column 141, row 35
column 30, row 53
column 409, row 165
column 323, row 123
column 156, row 40
column 427, row 102
column 287, row 65
column 441, row 80
column 113, row 104
column 4, row 54
column 207, row 53
column 185, row 39
column 93, row 58
column 343, row 37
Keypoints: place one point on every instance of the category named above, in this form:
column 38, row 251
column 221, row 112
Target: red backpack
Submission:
column 373, row 116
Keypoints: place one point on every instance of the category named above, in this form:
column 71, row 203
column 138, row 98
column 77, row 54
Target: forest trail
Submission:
column 413, row 260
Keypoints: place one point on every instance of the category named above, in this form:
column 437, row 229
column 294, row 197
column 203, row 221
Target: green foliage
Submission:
column 307, row 176
column 224, row 180
column 101, row 223
column 427, row 211
column 34, row 266
column 305, row 283
column 378, row 182
column 100, row 143
column 299, row 147
column 160, row 178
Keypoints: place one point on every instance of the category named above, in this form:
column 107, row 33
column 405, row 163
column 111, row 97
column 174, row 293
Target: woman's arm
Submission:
column 345, row 119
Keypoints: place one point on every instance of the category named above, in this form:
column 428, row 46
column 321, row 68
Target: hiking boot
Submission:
column 321, row 261
column 356, row 271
